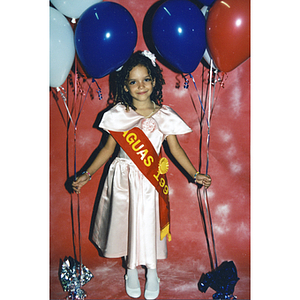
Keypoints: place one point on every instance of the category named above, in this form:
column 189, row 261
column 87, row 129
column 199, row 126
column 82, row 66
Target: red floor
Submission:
column 179, row 277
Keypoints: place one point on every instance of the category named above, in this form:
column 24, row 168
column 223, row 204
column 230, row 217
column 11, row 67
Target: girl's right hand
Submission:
column 80, row 182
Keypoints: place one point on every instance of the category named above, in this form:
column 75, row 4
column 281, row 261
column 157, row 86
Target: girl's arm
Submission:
column 104, row 154
column 184, row 161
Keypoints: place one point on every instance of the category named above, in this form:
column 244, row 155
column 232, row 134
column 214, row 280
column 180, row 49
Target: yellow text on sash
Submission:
column 133, row 140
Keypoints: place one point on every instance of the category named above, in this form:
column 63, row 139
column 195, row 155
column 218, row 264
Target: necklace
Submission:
column 152, row 111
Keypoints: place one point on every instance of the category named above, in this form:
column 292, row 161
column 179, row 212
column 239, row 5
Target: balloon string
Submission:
column 63, row 92
column 203, row 109
column 75, row 125
column 205, row 227
column 205, row 192
column 205, row 196
column 73, row 228
column 75, row 171
column 80, row 110
column 207, row 119
column 98, row 90
column 213, row 96
column 79, row 239
column 63, row 96
column 216, row 92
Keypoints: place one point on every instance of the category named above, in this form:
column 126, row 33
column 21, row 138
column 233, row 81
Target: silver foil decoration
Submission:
column 71, row 280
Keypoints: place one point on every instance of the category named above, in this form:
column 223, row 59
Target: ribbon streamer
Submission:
column 186, row 82
column 99, row 89
column 62, row 93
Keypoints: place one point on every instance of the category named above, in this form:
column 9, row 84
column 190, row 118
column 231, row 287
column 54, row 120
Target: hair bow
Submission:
column 151, row 56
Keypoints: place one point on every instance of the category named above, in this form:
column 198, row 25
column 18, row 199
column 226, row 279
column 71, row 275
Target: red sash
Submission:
column 141, row 151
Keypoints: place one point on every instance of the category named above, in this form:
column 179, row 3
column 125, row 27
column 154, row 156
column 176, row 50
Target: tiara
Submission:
column 147, row 54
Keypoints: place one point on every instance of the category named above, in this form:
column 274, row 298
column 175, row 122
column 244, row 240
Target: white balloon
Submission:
column 204, row 11
column 62, row 48
column 73, row 8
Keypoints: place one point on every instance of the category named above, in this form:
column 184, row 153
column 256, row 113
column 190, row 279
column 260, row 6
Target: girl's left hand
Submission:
column 205, row 180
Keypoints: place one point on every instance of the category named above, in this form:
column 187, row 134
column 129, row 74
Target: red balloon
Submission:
column 228, row 33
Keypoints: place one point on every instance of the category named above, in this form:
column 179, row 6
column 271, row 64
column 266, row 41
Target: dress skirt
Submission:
column 127, row 220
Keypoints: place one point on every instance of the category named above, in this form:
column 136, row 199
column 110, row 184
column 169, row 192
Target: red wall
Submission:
column 229, row 194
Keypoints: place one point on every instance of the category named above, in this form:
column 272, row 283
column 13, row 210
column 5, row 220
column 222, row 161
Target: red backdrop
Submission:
column 229, row 194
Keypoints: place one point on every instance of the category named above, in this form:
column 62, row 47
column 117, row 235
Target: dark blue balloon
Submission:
column 105, row 37
column 178, row 32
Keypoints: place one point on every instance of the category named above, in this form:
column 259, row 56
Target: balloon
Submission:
column 73, row 8
column 105, row 37
column 178, row 32
column 228, row 33
column 62, row 49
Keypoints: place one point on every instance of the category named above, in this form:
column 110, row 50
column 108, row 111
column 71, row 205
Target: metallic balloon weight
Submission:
column 71, row 280
column 223, row 280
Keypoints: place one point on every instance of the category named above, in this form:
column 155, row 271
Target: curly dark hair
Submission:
column 154, row 72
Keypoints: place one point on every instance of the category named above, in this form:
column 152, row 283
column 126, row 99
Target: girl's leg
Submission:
column 152, row 284
column 132, row 283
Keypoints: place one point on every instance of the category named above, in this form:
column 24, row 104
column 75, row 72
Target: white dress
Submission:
column 127, row 220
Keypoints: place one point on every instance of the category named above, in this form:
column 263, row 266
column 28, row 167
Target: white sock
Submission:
column 152, row 280
column 133, row 279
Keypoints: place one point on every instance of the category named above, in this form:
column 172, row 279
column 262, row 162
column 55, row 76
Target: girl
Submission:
column 132, row 218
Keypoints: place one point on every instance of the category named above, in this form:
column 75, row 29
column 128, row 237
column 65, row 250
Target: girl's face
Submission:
column 139, row 84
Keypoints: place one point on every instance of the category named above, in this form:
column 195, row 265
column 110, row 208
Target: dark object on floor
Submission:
column 223, row 280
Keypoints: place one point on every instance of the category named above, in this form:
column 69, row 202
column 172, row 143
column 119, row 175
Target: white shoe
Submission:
column 152, row 286
column 132, row 284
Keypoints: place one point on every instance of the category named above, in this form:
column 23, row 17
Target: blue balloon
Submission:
column 105, row 37
column 178, row 32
